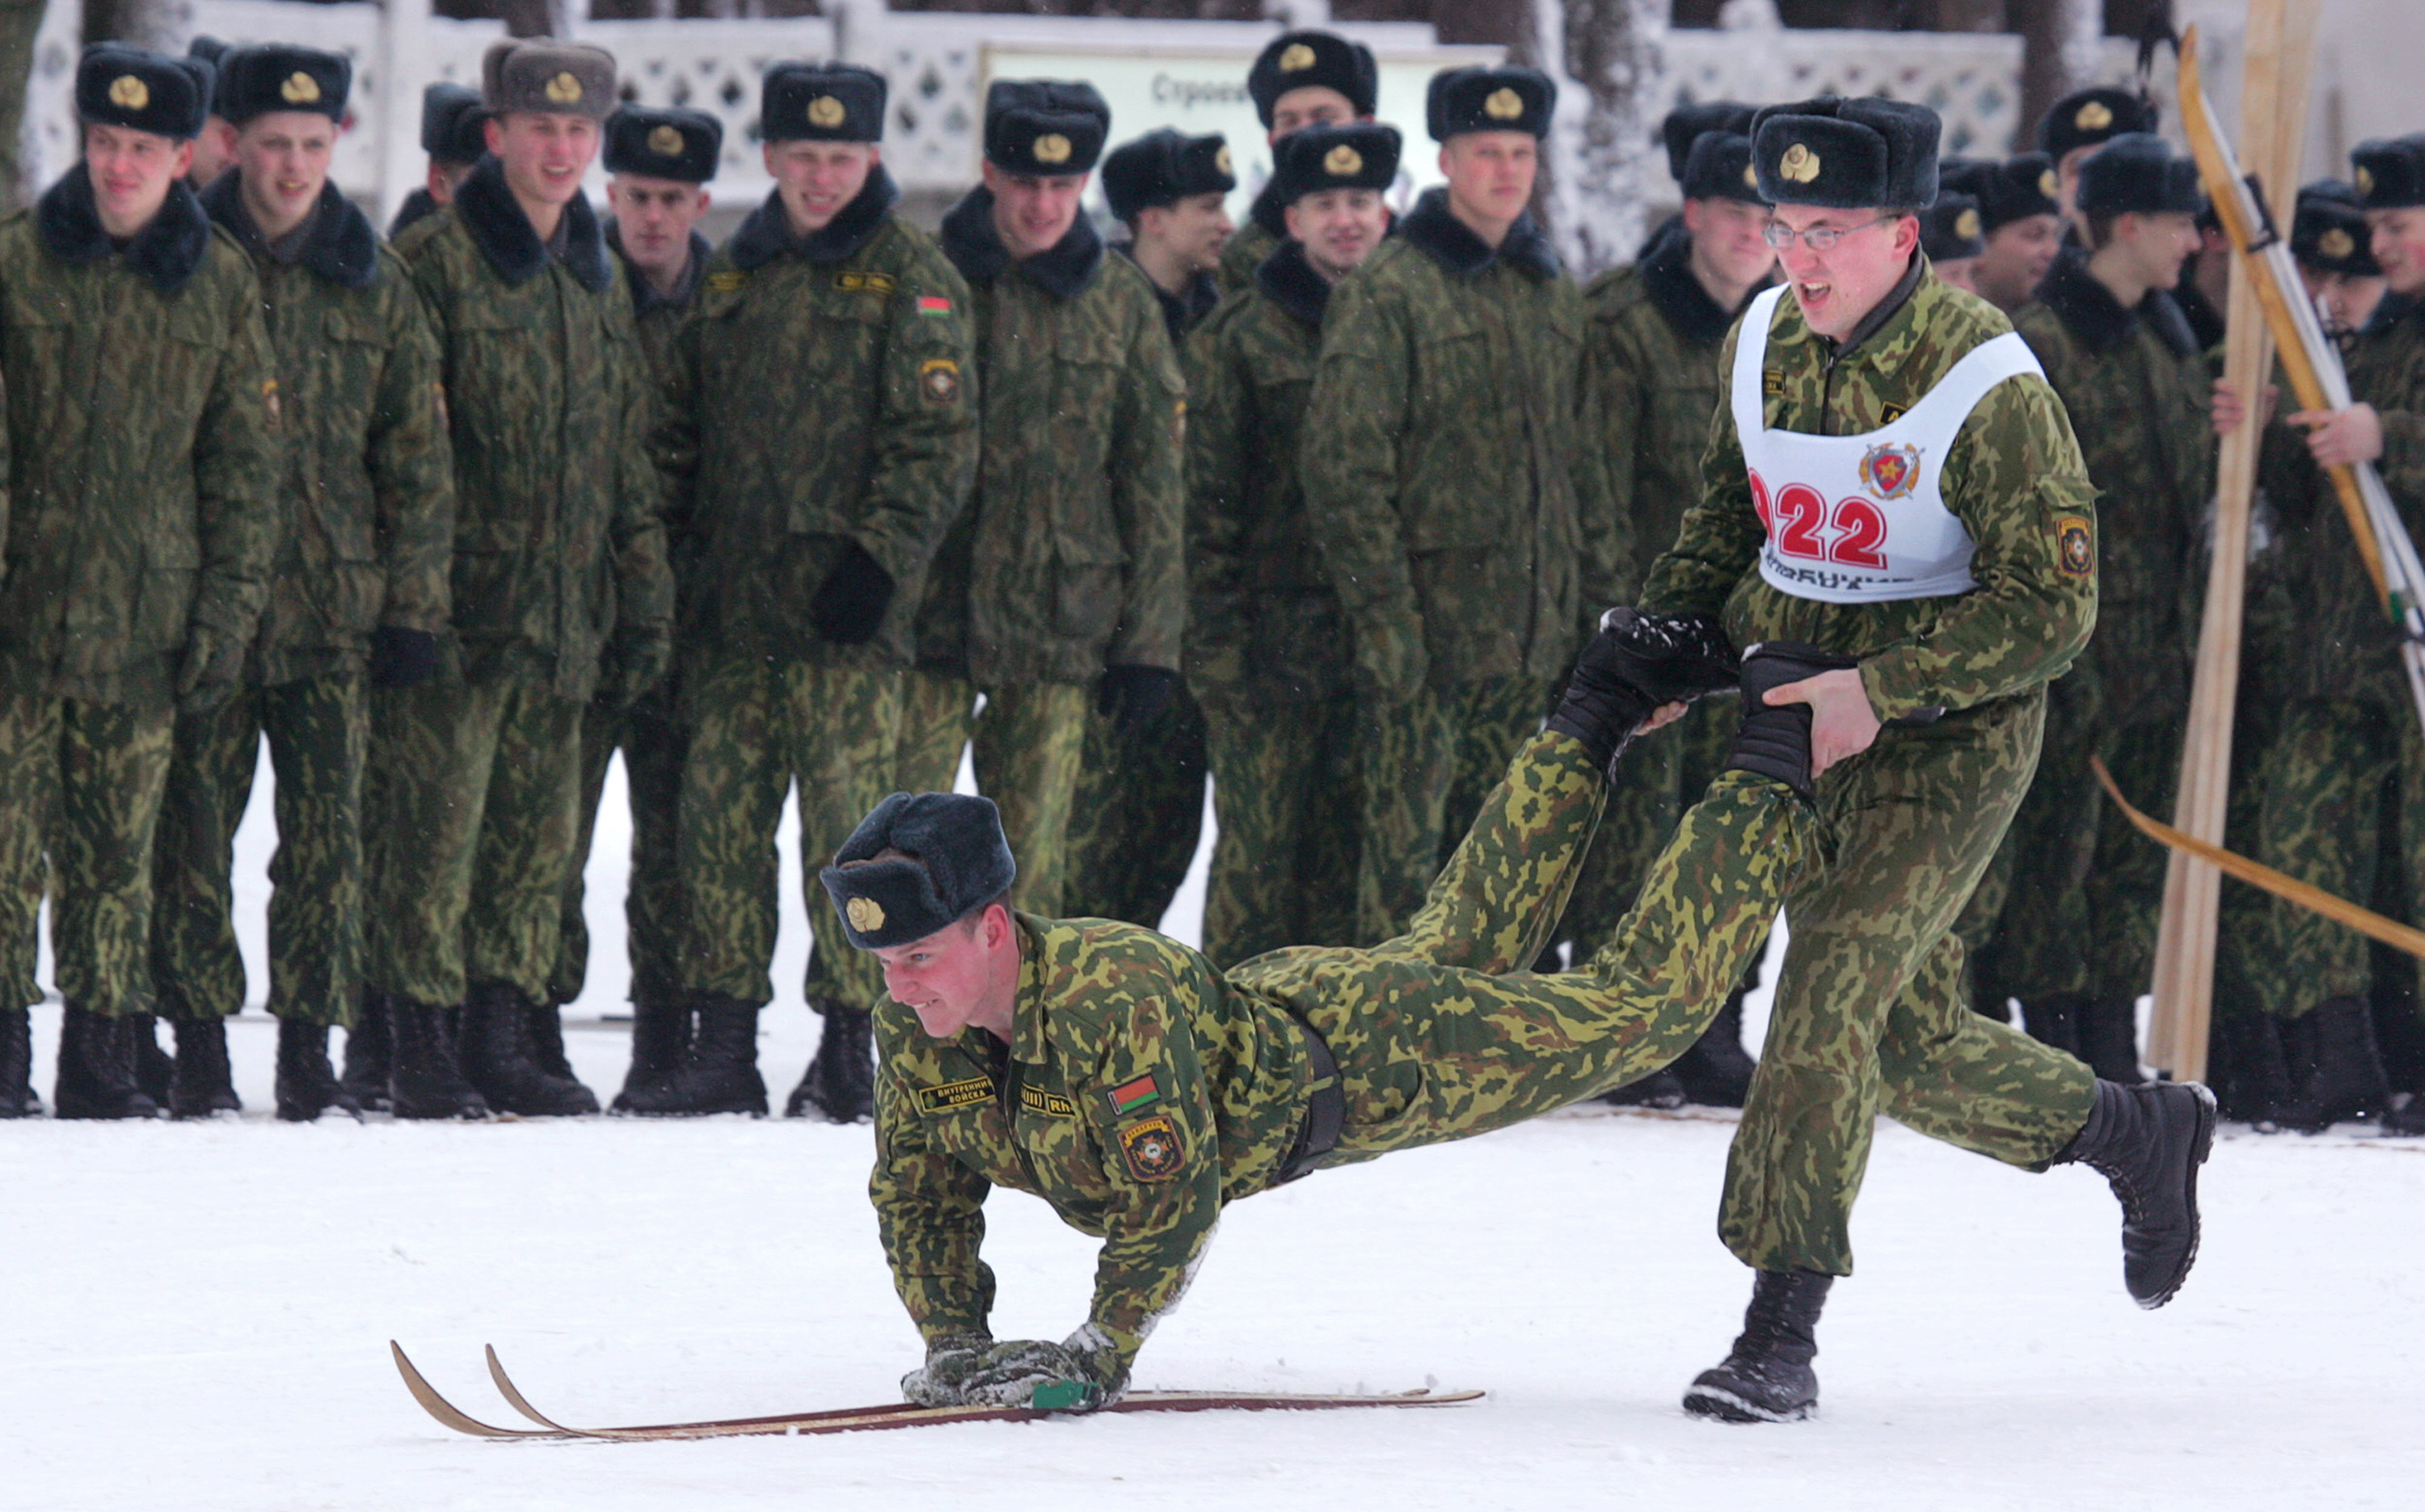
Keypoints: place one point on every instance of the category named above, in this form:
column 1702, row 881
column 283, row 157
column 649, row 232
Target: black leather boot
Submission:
column 547, row 1041
column 18, row 1099
column 370, row 1049
column 97, row 1069
column 720, row 1074
column 1716, row 1071
column 2255, row 1079
column 1774, row 739
column 424, row 1081
column 2108, row 1038
column 840, row 1084
column 498, row 1057
column 307, row 1084
column 1659, row 1090
column 2348, row 1080
column 156, row 1069
column 661, row 1036
column 2148, row 1141
column 2053, row 1020
column 1767, row 1376
column 203, row 1086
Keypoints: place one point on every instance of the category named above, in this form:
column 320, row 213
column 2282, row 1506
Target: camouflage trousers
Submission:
column 653, row 741
column 2081, row 889
column 1138, row 815
column 2320, row 816
column 318, row 729
column 1871, row 1017
column 97, row 772
column 759, row 728
column 1285, row 802
column 1426, row 763
column 1662, row 775
column 1439, row 1037
column 1027, row 742
column 469, row 802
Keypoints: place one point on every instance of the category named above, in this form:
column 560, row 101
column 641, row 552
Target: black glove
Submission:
column 848, row 607
column 210, row 673
column 636, row 660
column 402, row 656
column 1130, row 696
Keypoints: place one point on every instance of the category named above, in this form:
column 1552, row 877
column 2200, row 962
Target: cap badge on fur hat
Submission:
column 564, row 90
column 1751, row 177
column 665, row 141
column 1966, row 226
column 2364, row 175
column 2336, row 244
column 826, row 111
column 2094, row 116
column 866, row 915
column 2049, row 185
column 1298, row 58
column 1799, row 165
column 1052, row 147
column 127, row 92
column 300, row 88
column 1221, row 160
column 1343, row 161
column 1503, row 105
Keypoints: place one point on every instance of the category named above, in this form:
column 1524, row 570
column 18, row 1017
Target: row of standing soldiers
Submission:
column 469, row 513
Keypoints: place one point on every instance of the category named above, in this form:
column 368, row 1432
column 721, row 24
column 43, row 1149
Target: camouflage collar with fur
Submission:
column 1290, row 281
column 341, row 247
column 505, row 237
column 2088, row 311
column 768, row 233
column 1448, row 242
column 1062, row 270
column 167, row 250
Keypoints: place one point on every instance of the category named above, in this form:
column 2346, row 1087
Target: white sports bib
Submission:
column 1858, row 519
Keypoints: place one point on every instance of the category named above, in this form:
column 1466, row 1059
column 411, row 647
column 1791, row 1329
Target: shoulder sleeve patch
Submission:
column 938, row 380
column 857, row 281
column 1133, row 1096
column 2075, row 541
column 955, row 1094
column 1151, row 1148
column 726, row 281
column 1052, row 1104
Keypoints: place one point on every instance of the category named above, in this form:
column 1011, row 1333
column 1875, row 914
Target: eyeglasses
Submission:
column 1777, row 234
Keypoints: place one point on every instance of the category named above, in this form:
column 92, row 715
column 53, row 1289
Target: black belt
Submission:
column 1326, row 1111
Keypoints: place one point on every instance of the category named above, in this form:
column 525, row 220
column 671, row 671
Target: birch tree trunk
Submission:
column 1613, row 62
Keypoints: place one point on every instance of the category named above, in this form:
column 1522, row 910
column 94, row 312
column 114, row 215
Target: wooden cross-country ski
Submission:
column 870, row 1419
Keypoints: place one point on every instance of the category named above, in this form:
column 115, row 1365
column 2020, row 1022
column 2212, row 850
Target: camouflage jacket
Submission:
column 1451, row 476
column 1265, row 229
column 366, row 518
column 2136, row 387
column 659, row 316
column 1068, row 557
column 2342, row 645
column 143, row 446
column 1263, row 623
column 1141, row 1092
column 558, row 540
column 2014, row 478
column 1651, row 352
column 819, row 396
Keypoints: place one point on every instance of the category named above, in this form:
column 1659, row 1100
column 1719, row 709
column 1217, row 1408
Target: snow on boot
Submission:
column 18, row 1099
column 370, row 1046
column 202, row 1086
column 2255, row 1077
column 2053, row 1020
column 155, row 1070
column 2108, row 1038
column 547, row 1041
column 424, row 1081
column 1659, row 1090
column 2348, row 1080
column 720, row 1073
column 660, row 1046
column 2147, row 1141
column 1635, row 663
column 499, row 1059
column 1767, row 1376
column 97, row 1069
column 306, row 1085
column 1716, row 1071
column 840, row 1084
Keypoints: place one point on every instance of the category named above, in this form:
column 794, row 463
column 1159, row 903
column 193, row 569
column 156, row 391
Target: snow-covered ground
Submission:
column 197, row 1317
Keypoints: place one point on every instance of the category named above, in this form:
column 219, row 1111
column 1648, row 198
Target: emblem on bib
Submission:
column 2077, row 544
column 1891, row 471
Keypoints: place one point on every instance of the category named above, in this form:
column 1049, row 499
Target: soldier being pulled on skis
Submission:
column 1925, row 451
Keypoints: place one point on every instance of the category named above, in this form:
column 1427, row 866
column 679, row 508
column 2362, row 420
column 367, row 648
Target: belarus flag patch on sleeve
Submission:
column 1130, row 1095
column 933, row 303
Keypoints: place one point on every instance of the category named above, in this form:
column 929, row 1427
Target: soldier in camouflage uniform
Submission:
column 1267, row 653
column 1890, row 479
column 2347, row 719
column 365, row 531
column 1652, row 350
column 659, row 160
column 561, row 590
column 1300, row 79
column 2020, row 219
column 454, row 139
column 144, row 457
column 1451, row 485
column 2076, row 938
column 1139, row 813
column 1062, row 583
column 1138, row 1090
column 821, row 430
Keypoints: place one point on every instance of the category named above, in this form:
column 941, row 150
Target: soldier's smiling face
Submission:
column 1032, row 212
column 1338, row 228
column 544, row 153
column 1729, row 247
column 819, row 179
column 283, row 158
column 2399, row 245
column 963, row 975
column 2018, row 254
column 131, row 172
